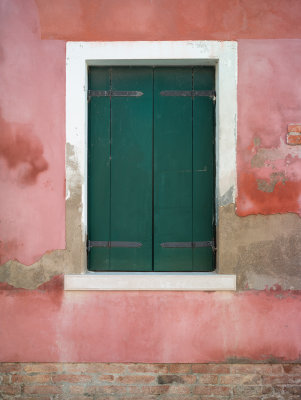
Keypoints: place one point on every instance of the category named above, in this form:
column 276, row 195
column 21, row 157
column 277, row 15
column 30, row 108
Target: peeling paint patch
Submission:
column 268, row 168
column 285, row 198
column 272, row 182
column 268, row 186
column 32, row 131
column 271, row 156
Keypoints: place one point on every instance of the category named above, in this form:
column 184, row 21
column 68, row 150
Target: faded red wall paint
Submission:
column 20, row 148
column 51, row 325
column 32, row 145
column 269, row 98
column 107, row 20
column 32, row 74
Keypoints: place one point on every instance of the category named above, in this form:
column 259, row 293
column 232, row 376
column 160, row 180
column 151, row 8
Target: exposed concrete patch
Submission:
column 262, row 250
column 56, row 262
column 269, row 186
column 257, row 141
column 268, row 156
column 227, row 197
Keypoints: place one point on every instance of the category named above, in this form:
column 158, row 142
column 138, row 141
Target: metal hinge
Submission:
column 113, row 93
column 190, row 93
column 97, row 243
column 185, row 245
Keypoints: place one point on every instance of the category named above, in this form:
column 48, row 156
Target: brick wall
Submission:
column 150, row 381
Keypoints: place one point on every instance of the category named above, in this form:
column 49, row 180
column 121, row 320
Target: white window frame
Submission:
column 222, row 55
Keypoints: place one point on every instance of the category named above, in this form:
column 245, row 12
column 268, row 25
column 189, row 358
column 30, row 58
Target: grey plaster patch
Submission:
column 227, row 198
column 268, row 186
column 262, row 250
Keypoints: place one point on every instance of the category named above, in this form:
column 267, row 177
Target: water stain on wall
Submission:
column 22, row 151
column 70, row 260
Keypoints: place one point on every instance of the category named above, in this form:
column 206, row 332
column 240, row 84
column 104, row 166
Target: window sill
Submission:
column 192, row 281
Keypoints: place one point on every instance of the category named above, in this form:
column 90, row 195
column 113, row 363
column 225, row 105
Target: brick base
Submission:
column 100, row 381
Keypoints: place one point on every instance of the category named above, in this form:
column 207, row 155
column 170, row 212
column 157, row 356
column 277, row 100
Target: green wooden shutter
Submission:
column 151, row 169
column 99, row 207
column 126, row 156
column 203, row 170
column 172, row 169
column 183, row 170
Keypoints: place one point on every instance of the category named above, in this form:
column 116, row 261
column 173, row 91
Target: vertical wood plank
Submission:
column 131, row 168
column 99, row 168
column 172, row 169
column 203, row 169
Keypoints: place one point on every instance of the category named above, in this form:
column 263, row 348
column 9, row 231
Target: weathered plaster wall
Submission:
column 262, row 250
column 48, row 324
column 68, row 260
column 51, row 325
column 32, row 126
column 107, row 20
column 269, row 98
column 32, row 145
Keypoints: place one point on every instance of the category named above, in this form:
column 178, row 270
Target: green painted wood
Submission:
column 172, row 169
column 151, row 169
column 131, row 169
column 120, row 169
column 203, row 169
column 99, row 168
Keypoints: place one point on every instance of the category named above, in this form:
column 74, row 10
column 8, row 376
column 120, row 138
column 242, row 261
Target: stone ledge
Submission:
column 181, row 281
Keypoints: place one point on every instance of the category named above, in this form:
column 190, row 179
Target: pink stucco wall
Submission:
column 32, row 105
column 269, row 98
column 32, row 145
column 51, row 325
column 107, row 20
